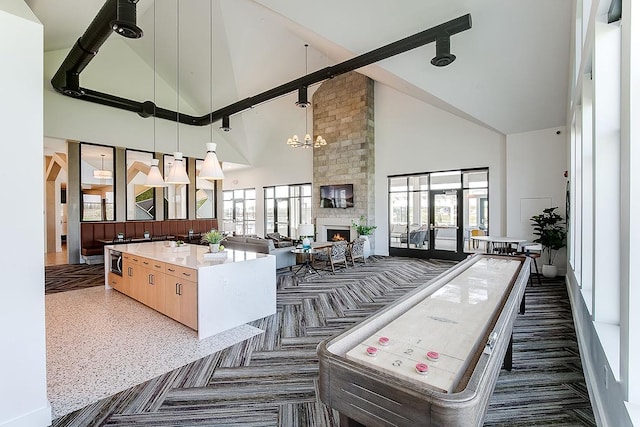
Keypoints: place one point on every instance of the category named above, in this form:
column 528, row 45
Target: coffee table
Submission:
column 306, row 266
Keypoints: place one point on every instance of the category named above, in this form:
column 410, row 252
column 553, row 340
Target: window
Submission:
column 175, row 195
column 140, row 199
column 205, row 195
column 96, row 179
column 239, row 207
column 286, row 207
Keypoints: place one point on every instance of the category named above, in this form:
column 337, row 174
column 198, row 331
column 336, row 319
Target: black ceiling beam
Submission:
column 67, row 78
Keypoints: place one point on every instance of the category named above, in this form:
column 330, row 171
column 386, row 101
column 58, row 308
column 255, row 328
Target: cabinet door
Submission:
column 127, row 276
column 137, row 281
column 155, row 290
column 172, row 297
column 189, row 304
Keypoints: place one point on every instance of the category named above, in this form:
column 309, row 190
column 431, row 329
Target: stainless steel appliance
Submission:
column 115, row 262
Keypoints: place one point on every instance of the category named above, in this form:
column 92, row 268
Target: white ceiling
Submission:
column 511, row 73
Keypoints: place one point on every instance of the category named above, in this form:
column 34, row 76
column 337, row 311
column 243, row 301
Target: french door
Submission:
column 445, row 231
column 433, row 215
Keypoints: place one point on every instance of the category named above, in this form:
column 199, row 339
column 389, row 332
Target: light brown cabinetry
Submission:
column 170, row 289
column 115, row 281
column 181, row 295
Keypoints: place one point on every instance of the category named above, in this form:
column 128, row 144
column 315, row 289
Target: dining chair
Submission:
column 335, row 254
column 356, row 251
column 533, row 251
column 476, row 232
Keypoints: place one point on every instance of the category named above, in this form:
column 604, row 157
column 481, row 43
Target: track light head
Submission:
column 125, row 22
column 302, row 101
column 443, row 52
column 225, row 124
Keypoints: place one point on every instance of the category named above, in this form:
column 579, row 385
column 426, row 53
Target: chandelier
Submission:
column 303, row 102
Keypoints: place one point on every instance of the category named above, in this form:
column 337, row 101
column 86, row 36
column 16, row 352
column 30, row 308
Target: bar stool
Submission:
column 533, row 251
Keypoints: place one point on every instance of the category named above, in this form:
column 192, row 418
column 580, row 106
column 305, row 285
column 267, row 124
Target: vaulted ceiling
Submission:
column 511, row 73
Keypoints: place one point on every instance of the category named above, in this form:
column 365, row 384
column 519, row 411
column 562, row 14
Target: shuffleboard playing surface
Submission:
column 453, row 321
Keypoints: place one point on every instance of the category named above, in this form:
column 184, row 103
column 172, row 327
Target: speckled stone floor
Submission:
column 100, row 342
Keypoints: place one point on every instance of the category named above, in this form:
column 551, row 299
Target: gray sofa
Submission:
column 284, row 257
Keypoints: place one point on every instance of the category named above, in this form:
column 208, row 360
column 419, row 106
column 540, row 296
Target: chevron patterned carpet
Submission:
column 271, row 379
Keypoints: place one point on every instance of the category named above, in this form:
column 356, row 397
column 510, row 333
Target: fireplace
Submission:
column 334, row 235
column 343, row 225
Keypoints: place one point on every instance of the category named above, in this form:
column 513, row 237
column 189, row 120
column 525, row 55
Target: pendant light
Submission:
column 211, row 166
column 303, row 102
column 154, row 177
column 177, row 173
column 102, row 173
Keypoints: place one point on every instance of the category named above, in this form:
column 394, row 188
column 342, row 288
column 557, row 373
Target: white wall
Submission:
column 414, row 137
column 536, row 162
column 22, row 334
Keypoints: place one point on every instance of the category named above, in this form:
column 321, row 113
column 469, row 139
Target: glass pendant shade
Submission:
column 154, row 177
column 177, row 174
column 211, row 167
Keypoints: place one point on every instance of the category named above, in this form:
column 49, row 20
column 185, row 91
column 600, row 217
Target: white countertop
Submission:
column 190, row 256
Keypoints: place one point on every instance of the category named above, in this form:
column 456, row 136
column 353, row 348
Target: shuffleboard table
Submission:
column 431, row 358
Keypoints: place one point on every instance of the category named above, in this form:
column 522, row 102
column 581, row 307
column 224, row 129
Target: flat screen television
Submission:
column 336, row 196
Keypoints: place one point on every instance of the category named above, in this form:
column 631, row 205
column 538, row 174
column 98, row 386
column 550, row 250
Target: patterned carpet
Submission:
column 69, row 277
column 271, row 379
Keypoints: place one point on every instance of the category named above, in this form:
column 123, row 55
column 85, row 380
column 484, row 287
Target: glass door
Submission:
column 444, row 230
column 282, row 217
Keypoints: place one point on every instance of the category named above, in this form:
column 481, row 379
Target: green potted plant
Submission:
column 213, row 238
column 364, row 230
column 552, row 235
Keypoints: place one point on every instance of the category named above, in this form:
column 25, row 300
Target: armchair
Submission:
column 335, row 254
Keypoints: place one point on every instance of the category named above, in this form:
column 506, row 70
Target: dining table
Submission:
column 500, row 244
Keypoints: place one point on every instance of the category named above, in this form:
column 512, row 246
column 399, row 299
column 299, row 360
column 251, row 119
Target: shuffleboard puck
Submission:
column 383, row 341
column 422, row 369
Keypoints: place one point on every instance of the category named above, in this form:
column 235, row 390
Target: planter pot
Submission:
column 214, row 247
column 549, row 271
column 366, row 249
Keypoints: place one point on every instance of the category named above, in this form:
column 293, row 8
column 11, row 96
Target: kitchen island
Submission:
column 209, row 295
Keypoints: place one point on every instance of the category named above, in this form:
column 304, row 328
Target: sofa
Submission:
column 284, row 256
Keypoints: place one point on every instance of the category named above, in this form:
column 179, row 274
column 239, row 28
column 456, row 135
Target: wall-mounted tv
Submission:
column 336, row 196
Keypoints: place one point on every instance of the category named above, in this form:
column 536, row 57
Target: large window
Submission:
column 409, row 211
column 286, row 207
column 205, row 195
column 140, row 199
column 96, row 182
column 175, row 195
column 240, row 209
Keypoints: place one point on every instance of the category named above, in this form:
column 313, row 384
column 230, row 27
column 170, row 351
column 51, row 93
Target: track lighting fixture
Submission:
column 225, row 124
column 443, row 52
column 125, row 22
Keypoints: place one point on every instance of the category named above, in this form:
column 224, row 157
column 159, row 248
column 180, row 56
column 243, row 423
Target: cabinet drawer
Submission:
column 152, row 264
column 182, row 272
column 133, row 259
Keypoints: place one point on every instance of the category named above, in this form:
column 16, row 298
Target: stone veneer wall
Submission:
column 343, row 114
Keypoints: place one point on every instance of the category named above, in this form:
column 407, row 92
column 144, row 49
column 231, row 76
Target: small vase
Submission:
column 549, row 271
column 214, row 247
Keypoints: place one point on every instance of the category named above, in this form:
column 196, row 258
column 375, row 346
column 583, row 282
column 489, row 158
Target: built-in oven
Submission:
column 115, row 263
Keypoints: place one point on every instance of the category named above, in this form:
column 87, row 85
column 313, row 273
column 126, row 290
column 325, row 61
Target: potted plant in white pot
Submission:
column 213, row 238
column 552, row 235
column 364, row 230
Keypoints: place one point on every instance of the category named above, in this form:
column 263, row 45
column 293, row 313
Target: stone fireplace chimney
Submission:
column 343, row 114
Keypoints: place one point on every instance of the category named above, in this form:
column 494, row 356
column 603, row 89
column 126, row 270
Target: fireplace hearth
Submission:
column 334, row 235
